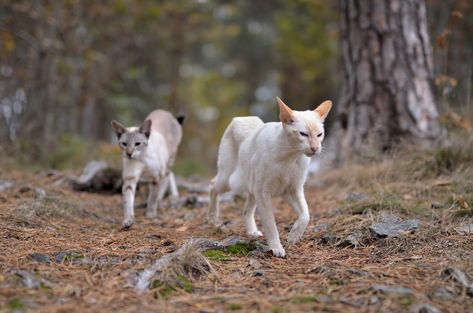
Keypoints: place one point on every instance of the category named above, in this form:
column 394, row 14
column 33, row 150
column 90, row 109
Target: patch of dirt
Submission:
column 71, row 246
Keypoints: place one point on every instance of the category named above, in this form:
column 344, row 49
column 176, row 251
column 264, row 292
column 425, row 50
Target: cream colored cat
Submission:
column 260, row 161
column 148, row 150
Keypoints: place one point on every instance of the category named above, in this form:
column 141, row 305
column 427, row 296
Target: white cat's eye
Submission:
column 304, row 134
column 123, row 144
column 137, row 143
column 320, row 135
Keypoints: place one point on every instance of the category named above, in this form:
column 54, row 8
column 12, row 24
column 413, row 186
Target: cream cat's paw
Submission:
column 278, row 251
column 151, row 215
column 294, row 237
column 127, row 223
column 255, row 234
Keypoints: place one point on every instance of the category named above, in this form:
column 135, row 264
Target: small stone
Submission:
column 423, row 308
column 355, row 196
column 350, row 241
column 321, row 227
column 357, row 272
column 373, row 300
column 4, row 185
column 391, row 225
column 392, row 289
column 258, row 274
column 40, row 193
column 436, row 205
column 41, row 258
column 328, row 239
column 460, row 277
column 29, row 280
column 255, row 264
column 68, row 256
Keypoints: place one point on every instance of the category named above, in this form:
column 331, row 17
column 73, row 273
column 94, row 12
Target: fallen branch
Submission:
column 191, row 246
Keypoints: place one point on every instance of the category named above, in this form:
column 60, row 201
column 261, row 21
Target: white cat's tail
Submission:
column 239, row 129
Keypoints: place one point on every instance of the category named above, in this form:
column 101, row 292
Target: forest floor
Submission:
column 64, row 251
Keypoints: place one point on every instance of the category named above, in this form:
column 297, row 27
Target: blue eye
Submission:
column 320, row 135
column 304, row 134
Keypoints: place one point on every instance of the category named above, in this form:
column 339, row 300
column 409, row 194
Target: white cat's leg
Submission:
column 265, row 211
column 173, row 186
column 299, row 204
column 152, row 203
column 249, row 211
column 131, row 175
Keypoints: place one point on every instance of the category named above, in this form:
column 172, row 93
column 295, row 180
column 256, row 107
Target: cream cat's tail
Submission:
column 239, row 129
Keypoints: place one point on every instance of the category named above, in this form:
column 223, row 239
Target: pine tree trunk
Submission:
column 387, row 85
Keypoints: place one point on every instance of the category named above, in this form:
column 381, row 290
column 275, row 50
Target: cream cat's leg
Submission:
column 299, row 204
column 173, row 186
column 249, row 211
column 131, row 175
column 213, row 213
column 265, row 211
column 152, row 203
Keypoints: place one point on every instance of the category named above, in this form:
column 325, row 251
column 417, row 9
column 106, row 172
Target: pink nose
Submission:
column 313, row 149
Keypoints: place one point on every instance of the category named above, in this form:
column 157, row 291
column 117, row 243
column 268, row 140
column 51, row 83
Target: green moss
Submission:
column 16, row 304
column 240, row 249
column 234, row 307
column 303, row 299
column 216, row 255
column 185, row 283
column 162, row 290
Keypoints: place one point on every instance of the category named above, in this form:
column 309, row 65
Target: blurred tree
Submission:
column 388, row 74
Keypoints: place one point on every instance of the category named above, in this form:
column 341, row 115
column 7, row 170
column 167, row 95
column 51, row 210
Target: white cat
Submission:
column 259, row 161
column 148, row 150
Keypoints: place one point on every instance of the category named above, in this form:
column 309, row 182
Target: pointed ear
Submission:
column 145, row 128
column 285, row 113
column 118, row 128
column 323, row 109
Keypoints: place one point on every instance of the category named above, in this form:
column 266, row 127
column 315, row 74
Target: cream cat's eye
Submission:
column 320, row 135
column 304, row 134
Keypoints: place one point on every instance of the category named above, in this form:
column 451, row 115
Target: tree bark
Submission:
column 388, row 72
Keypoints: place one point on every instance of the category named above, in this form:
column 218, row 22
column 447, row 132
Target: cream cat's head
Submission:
column 132, row 140
column 305, row 128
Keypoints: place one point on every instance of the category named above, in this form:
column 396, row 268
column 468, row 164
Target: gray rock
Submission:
column 41, row 258
column 29, row 280
column 423, row 308
column 391, row 225
column 392, row 289
column 460, row 277
column 355, row 196
column 349, row 241
column 465, row 229
column 442, row 293
column 4, row 185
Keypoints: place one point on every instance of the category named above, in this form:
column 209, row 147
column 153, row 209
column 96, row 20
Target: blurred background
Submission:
column 68, row 67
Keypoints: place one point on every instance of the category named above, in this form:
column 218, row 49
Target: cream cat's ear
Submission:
column 145, row 128
column 285, row 113
column 323, row 109
column 118, row 128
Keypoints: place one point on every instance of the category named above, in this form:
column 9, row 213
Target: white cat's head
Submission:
column 132, row 140
column 305, row 128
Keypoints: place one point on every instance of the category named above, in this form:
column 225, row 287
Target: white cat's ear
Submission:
column 285, row 113
column 145, row 128
column 118, row 128
column 323, row 109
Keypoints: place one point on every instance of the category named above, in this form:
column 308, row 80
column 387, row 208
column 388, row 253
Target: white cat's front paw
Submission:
column 278, row 251
column 127, row 223
column 255, row 233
